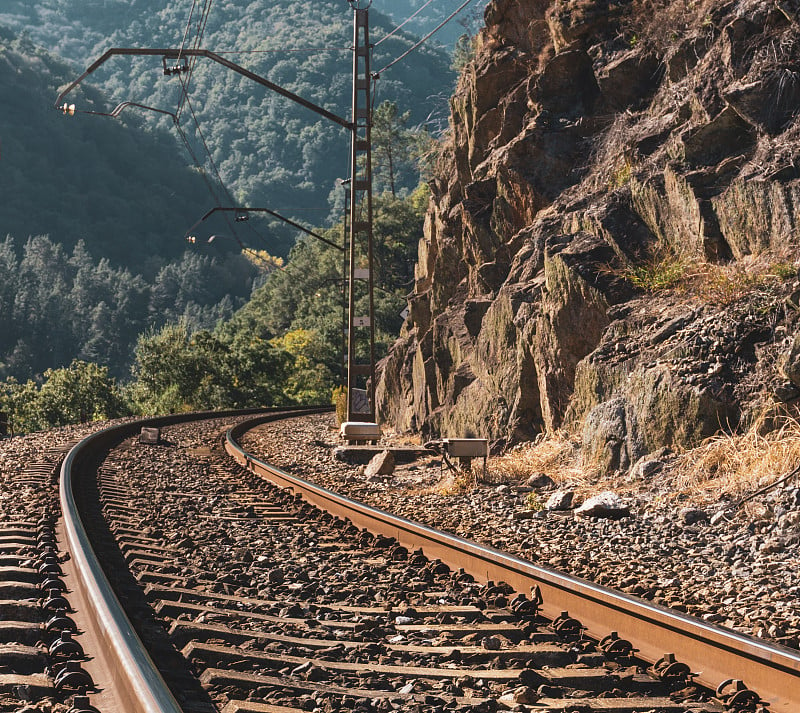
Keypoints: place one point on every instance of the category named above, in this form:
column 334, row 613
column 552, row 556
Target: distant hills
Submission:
column 127, row 192
column 268, row 151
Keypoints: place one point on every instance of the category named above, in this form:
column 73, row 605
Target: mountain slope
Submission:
column 612, row 245
column 125, row 191
column 269, row 151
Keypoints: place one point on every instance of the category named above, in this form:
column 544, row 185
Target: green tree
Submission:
column 78, row 393
column 19, row 401
column 176, row 370
column 305, row 297
column 308, row 380
column 390, row 142
column 463, row 53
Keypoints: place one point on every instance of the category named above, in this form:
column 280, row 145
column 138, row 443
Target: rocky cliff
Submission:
column 612, row 237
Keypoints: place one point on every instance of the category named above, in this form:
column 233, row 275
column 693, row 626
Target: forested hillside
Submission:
column 87, row 23
column 57, row 305
column 95, row 209
column 95, row 213
column 268, row 151
column 126, row 192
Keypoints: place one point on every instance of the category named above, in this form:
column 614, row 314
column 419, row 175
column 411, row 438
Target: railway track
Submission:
column 250, row 596
column 35, row 626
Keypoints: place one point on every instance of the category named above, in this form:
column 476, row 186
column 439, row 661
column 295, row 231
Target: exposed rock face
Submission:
column 587, row 136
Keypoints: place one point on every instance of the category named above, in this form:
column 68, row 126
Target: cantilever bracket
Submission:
column 177, row 54
column 245, row 211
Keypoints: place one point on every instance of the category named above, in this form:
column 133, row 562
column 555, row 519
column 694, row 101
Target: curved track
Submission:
column 118, row 652
column 276, row 640
column 714, row 654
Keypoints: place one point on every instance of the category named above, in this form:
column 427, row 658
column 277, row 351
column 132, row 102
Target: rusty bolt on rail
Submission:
column 568, row 627
column 60, row 622
column 73, row 677
column 616, row 648
column 736, row 696
column 668, row 670
column 66, row 647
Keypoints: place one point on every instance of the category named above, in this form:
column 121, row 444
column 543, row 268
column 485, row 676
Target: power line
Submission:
column 424, row 39
column 202, row 23
column 207, row 149
column 201, row 29
column 288, row 49
column 405, row 22
column 188, row 25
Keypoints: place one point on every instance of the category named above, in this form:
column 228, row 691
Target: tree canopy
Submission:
column 56, row 306
column 269, row 151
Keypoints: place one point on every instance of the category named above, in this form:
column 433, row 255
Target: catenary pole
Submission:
column 361, row 329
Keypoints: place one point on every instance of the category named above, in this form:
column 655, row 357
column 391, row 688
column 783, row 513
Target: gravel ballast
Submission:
column 738, row 569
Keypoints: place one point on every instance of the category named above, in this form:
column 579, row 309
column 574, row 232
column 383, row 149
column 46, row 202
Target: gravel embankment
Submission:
column 20, row 498
column 742, row 572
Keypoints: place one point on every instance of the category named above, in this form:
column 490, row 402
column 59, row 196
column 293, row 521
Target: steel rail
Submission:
column 714, row 654
column 137, row 683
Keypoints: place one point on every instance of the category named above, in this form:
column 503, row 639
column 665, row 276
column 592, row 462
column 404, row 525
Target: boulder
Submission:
column 647, row 466
column 575, row 23
column 725, row 135
column 605, row 505
column 540, row 481
column 767, row 103
column 691, row 515
column 567, row 85
column 381, row 464
column 791, row 363
column 560, row 500
column 629, row 80
column 756, row 214
column 611, row 438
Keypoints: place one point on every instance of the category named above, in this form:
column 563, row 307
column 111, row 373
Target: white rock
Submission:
column 607, row 504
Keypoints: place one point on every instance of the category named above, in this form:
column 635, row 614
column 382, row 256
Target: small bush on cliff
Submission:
column 534, row 502
column 661, row 271
column 464, row 52
column 727, row 283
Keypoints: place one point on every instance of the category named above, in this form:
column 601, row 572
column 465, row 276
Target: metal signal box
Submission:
column 359, row 431
column 467, row 447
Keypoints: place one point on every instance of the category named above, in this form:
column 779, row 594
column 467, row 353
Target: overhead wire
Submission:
column 186, row 31
column 201, row 29
column 287, row 49
column 402, row 24
column 184, row 102
column 424, row 39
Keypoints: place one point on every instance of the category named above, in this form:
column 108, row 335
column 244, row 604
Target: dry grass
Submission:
column 456, row 483
column 734, row 465
column 556, row 455
column 726, row 466
column 725, row 284
column 714, row 283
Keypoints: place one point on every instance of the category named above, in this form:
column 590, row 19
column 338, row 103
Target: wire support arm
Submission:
column 177, row 54
column 294, row 224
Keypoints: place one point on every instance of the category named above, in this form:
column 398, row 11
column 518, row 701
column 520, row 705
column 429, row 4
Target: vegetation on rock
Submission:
column 619, row 181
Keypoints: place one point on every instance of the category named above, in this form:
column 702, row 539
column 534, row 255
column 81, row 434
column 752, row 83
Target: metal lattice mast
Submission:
column 361, row 329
